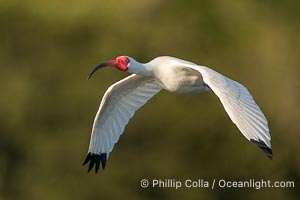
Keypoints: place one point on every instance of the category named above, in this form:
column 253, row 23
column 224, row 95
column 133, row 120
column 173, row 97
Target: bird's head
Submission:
column 121, row 63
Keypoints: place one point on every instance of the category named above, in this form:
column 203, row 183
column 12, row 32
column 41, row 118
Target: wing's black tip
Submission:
column 95, row 160
column 87, row 159
column 103, row 160
column 264, row 147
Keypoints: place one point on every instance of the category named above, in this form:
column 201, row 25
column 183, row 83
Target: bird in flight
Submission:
column 126, row 96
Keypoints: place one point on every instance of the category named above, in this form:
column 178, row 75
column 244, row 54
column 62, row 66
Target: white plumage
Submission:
column 118, row 105
column 123, row 98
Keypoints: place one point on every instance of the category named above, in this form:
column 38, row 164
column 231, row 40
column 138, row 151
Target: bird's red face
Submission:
column 121, row 63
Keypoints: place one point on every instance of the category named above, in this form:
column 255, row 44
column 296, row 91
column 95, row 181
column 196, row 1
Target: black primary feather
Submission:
column 95, row 160
column 87, row 159
column 103, row 160
column 264, row 147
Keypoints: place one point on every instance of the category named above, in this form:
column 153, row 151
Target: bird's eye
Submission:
column 127, row 60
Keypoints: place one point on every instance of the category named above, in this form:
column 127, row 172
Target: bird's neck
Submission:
column 140, row 69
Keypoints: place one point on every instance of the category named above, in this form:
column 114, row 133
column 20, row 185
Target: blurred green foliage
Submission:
column 47, row 105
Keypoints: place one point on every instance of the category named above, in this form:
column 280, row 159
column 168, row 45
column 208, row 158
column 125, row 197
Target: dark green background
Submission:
column 47, row 106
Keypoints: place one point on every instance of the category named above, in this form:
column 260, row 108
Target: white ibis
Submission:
column 123, row 98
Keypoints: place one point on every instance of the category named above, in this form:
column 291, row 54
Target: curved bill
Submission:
column 96, row 68
column 108, row 63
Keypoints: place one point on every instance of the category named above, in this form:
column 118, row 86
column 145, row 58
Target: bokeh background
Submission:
column 47, row 106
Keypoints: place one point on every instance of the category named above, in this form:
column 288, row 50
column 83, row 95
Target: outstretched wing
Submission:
column 239, row 105
column 118, row 105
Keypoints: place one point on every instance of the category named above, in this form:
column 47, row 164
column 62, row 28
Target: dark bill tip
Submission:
column 96, row 68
